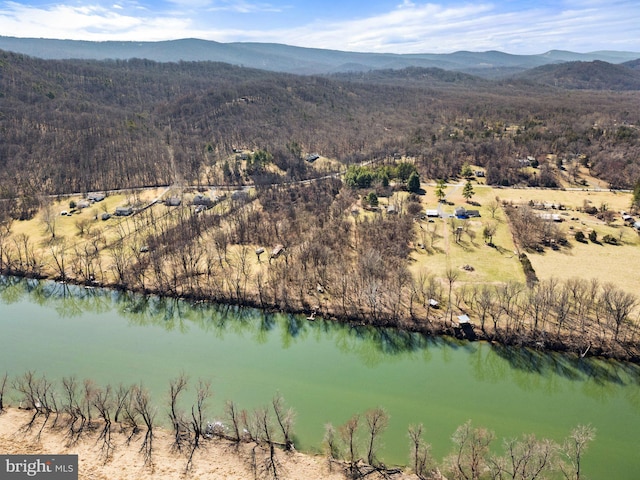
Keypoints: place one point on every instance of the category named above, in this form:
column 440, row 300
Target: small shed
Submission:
column 432, row 213
column 82, row 204
column 464, row 329
column 554, row 217
column 173, row 201
column 123, row 211
column 392, row 210
column 433, row 303
column 278, row 249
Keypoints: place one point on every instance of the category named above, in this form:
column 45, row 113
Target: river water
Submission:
column 325, row 371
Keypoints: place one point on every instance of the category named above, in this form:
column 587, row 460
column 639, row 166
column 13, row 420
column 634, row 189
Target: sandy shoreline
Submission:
column 217, row 459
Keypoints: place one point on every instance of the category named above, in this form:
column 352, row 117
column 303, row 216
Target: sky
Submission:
column 396, row 26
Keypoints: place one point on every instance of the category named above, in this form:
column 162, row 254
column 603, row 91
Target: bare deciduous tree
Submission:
column 103, row 402
column 469, row 458
column 573, row 450
column 349, row 435
column 377, row 421
column 198, row 412
column 285, row 418
column 525, row 459
column 265, row 428
column 330, row 443
column 178, row 421
column 3, row 384
column 143, row 407
column 421, row 459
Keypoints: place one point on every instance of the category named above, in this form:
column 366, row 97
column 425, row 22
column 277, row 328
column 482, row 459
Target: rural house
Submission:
column 123, row 211
column 95, row 196
column 202, row 200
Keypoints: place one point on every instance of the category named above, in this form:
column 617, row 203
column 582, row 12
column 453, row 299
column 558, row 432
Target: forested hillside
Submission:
column 595, row 75
column 80, row 125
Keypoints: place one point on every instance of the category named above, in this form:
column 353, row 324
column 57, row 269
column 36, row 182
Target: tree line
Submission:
column 120, row 416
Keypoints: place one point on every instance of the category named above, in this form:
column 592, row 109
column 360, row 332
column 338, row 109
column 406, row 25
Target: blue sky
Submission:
column 400, row 26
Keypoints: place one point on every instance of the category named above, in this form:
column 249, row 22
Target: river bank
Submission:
column 216, row 460
column 438, row 322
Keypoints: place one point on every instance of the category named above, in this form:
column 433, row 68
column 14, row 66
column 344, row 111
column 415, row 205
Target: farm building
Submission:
column 95, row 196
column 275, row 253
column 123, row 211
column 202, row 200
column 554, row 217
column 460, row 212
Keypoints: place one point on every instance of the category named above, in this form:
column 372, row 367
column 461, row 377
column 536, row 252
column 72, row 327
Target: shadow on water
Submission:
column 570, row 367
column 373, row 345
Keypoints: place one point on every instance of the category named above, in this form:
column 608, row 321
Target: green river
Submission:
column 325, row 371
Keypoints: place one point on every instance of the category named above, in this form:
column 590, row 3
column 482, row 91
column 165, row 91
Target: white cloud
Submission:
column 242, row 6
column 407, row 4
column 482, row 26
column 408, row 27
column 88, row 22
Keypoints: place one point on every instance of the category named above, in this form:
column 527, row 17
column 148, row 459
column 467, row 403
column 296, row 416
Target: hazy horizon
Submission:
column 519, row 27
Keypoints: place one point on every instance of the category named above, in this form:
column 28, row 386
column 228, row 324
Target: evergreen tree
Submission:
column 440, row 187
column 413, row 184
column 372, row 199
column 467, row 191
column 635, row 201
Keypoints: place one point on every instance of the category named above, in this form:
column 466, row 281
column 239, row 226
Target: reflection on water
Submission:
column 372, row 345
column 326, row 370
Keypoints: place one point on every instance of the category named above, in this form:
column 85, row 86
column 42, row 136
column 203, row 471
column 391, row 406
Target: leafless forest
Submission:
column 82, row 126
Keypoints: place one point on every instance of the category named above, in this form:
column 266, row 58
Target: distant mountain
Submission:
column 596, row 75
column 285, row 58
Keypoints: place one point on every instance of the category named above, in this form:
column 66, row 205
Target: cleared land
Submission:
column 434, row 249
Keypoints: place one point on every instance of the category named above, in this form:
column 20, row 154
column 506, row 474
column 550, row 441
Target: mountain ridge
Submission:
column 299, row 60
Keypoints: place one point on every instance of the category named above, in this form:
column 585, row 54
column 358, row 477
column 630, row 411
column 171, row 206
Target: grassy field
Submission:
column 435, row 248
column 489, row 264
column 608, row 263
